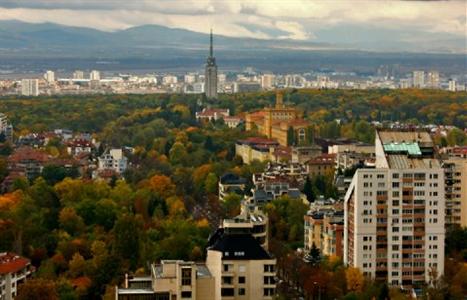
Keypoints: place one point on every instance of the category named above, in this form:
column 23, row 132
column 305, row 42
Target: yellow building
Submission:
column 275, row 122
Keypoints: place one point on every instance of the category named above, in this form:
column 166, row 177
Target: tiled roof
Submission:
column 12, row 263
column 28, row 153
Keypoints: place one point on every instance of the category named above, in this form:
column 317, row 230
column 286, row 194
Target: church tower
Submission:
column 211, row 73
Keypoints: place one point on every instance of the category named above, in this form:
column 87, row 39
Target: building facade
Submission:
column 30, row 87
column 394, row 213
column 455, row 176
column 113, row 159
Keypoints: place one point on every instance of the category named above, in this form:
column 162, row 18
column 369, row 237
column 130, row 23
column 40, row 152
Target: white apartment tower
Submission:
column 394, row 213
column 267, row 81
column 419, row 79
column 432, row 80
column 78, row 74
column 95, row 75
column 49, row 76
column 30, row 87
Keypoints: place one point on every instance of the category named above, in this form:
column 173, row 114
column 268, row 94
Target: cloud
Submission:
column 295, row 19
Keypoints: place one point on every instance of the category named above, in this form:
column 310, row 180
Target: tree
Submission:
column 178, row 154
column 77, row 265
column 70, row 221
column 37, row 289
column 127, row 238
column 308, row 190
column 210, row 184
column 290, row 136
column 231, row 205
column 354, row 279
column 314, row 256
column 456, row 137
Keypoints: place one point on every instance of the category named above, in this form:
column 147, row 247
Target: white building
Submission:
column 189, row 78
column 95, row 75
column 169, row 79
column 394, row 214
column 78, row 74
column 419, row 79
column 113, row 159
column 452, row 85
column 267, row 81
column 49, row 76
column 432, row 80
column 14, row 270
column 30, row 87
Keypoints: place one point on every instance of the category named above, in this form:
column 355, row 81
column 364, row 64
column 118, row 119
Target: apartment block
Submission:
column 241, row 268
column 394, row 213
column 30, row 87
column 455, row 176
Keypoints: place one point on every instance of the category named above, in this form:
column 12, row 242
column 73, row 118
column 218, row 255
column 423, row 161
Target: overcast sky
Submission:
column 296, row 19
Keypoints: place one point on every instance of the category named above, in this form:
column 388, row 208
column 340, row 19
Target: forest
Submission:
column 84, row 235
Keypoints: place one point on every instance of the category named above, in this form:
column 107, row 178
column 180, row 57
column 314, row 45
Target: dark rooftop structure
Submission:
column 237, row 246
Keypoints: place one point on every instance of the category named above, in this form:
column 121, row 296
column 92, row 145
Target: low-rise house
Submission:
column 14, row 271
column 78, row 146
column 27, row 161
column 302, row 154
column 255, row 148
column 322, row 165
column 210, row 114
column 232, row 122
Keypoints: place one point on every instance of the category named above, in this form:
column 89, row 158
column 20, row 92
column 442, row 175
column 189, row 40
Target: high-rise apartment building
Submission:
column 49, row 76
column 455, row 176
column 211, row 73
column 95, row 75
column 394, row 213
column 30, row 87
column 78, row 74
column 452, row 85
column 267, row 81
column 14, row 271
column 418, row 79
column 432, row 80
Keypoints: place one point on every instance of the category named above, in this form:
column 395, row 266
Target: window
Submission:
column 227, row 292
column 186, row 276
column 186, row 294
column 269, row 280
column 241, row 291
column 241, row 279
column 395, row 175
column 226, row 279
column 269, row 268
column 241, row 268
column 268, row 292
column 395, row 184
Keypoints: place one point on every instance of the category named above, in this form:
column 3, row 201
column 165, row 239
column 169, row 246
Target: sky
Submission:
column 280, row 19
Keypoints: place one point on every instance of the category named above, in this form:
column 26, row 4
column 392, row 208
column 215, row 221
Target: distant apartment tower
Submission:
column 432, row 80
column 452, row 85
column 189, row 78
column 5, row 127
column 78, row 74
column 419, row 79
column 211, row 73
column 394, row 213
column 113, row 159
column 49, row 76
column 455, row 176
column 95, row 75
column 267, row 81
column 30, row 87
column 404, row 83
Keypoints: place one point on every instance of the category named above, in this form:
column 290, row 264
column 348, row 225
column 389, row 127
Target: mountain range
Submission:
column 50, row 45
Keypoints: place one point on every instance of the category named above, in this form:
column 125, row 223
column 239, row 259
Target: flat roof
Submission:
column 404, row 136
column 404, row 162
column 410, row 148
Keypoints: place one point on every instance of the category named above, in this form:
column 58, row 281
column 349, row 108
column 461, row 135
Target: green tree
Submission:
column 127, row 238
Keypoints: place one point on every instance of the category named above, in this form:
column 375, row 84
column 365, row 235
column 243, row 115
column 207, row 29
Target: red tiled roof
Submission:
column 212, row 111
column 28, row 153
column 11, row 263
column 324, row 159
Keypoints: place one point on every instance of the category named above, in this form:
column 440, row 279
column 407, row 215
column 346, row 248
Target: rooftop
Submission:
column 239, row 247
column 12, row 263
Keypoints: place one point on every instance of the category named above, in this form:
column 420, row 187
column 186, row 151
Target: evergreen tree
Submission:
column 308, row 190
column 314, row 256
